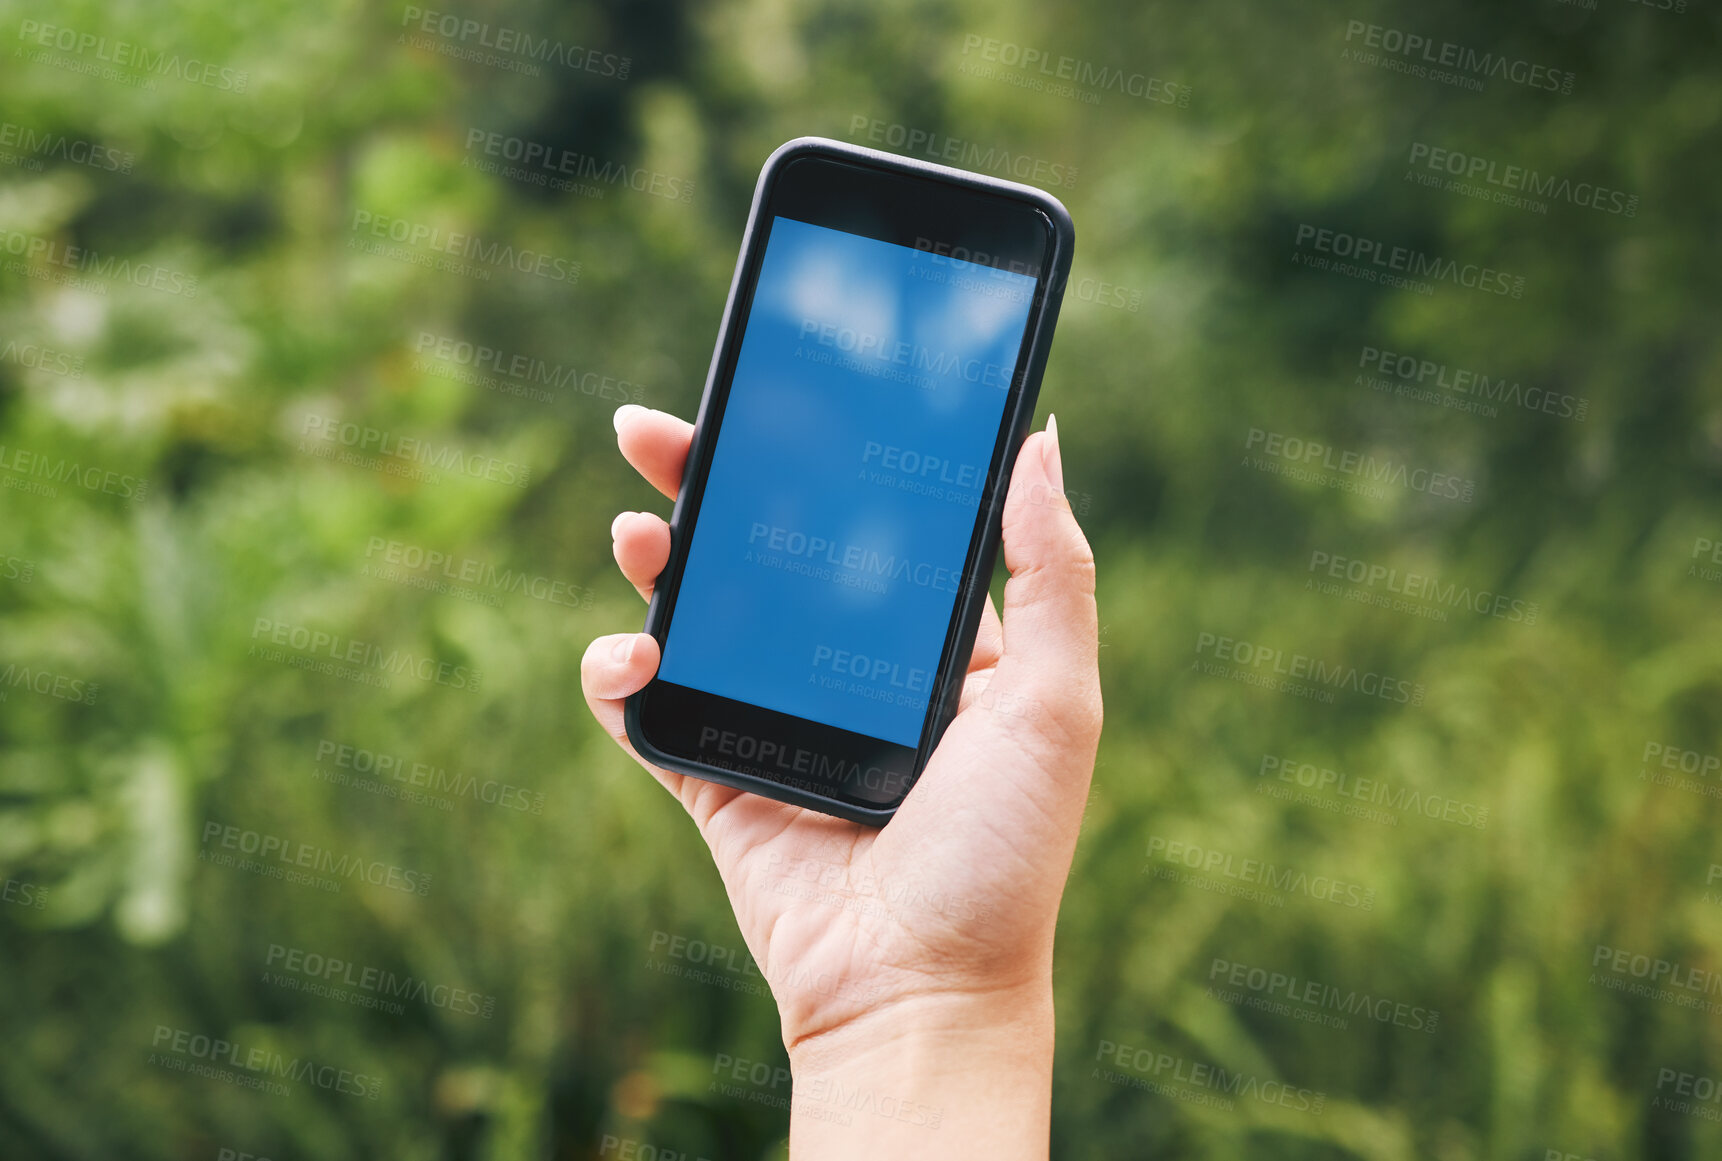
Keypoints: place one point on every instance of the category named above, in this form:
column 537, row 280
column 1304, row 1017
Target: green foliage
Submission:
column 227, row 306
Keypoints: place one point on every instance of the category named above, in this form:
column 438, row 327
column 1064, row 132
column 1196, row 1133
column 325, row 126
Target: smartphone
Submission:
column 834, row 539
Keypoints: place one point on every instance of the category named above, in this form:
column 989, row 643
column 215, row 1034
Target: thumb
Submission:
column 1051, row 625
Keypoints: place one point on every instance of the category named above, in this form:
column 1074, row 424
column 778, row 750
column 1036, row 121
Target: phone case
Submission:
column 972, row 598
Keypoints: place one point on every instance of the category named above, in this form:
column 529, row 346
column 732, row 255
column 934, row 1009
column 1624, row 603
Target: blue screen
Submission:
column 845, row 485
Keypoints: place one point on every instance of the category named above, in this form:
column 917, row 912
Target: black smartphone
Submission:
column 838, row 521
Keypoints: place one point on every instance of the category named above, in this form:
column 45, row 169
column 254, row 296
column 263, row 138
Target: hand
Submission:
column 920, row 955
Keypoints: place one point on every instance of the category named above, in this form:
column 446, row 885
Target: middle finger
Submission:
column 642, row 548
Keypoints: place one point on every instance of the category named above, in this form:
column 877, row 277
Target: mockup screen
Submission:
column 846, row 481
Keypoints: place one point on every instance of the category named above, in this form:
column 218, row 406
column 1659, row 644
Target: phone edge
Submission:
column 973, row 599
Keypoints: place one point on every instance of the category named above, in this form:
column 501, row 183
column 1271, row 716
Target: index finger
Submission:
column 655, row 443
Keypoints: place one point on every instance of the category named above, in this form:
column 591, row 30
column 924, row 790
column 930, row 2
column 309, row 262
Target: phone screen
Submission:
column 846, row 481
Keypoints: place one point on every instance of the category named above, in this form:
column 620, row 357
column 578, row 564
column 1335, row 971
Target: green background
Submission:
column 151, row 601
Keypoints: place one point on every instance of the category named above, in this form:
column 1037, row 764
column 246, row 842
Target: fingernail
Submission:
column 623, row 648
column 623, row 414
column 1050, row 456
column 617, row 523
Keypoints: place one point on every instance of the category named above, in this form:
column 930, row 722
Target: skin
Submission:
column 920, row 973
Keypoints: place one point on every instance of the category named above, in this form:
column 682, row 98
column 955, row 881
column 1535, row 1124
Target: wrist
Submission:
column 927, row 1077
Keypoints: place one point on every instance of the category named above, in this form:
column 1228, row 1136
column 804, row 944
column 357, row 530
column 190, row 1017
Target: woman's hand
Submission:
column 916, row 959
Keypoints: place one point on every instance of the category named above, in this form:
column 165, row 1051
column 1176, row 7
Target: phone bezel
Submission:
column 843, row 186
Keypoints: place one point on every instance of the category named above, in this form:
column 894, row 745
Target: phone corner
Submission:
column 634, row 728
column 1063, row 234
column 1055, row 209
column 860, row 815
column 805, row 145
